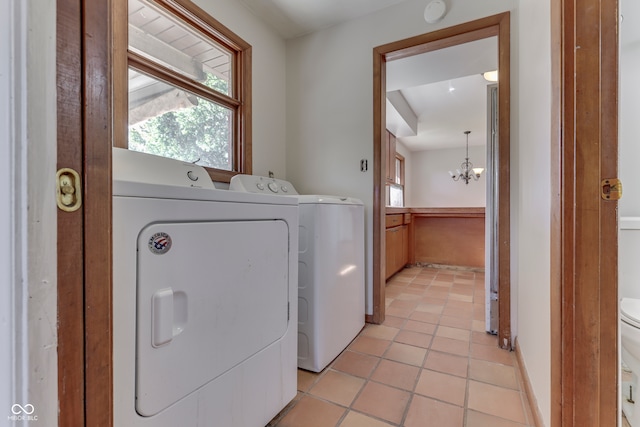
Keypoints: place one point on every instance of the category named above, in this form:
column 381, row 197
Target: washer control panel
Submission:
column 261, row 184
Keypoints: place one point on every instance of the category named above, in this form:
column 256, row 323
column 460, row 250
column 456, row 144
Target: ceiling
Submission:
column 431, row 98
column 294, row 18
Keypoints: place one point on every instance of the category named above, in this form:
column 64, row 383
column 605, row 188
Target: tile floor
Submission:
column 429, row 364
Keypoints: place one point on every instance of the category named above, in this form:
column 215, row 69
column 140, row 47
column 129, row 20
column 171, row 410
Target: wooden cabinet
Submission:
column 397, row 243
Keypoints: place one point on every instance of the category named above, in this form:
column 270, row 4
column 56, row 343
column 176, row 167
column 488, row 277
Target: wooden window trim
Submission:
column 401, row 158
column 239, row 102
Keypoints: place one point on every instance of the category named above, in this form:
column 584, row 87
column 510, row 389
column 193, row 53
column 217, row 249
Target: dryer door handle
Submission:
column 162, row 317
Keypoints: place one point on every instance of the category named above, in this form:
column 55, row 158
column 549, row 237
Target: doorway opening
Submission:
column 493, row 26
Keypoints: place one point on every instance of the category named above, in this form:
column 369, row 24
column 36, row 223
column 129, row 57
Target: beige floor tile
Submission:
column 413, row 338
column 409, row 297
column 311, row 412
column 497, row 401
column 456, row 322
column 466, row 313
column 380, row 332
column 478, row 419
column 484, row 338
column 425, row 317
column 430, row 308
column 401, row 278
column 491, row 354
column 393, row 322
column 430, row 364
column 358, row 364
column 424, row 412
column 402, row 312
column 434, row 301
column 493, row 373
column 415, row 284
column 406, row 354
column 434, row 292
column 396, row 374
column 306, row 379
column 447, row 363
column 442, row 387
column 382, row 401
column 448, row 345
column 463, row 305
column 356, row 419
column 337, row 387
column 478, row 325
column 412, row 303
column 416, row 326
column 369, row 345
column 461, row 296
column 453, row 333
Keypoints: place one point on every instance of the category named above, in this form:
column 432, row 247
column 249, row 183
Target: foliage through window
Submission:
column 187, row 95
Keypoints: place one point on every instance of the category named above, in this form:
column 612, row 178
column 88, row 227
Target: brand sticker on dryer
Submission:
column 160, row 243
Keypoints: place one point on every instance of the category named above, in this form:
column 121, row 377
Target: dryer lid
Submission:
column 630, row 311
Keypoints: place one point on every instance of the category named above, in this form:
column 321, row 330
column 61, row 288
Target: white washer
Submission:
column 331, row 287
column 204, row 284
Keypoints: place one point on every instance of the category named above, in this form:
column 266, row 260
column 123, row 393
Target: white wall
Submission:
column 29, row 116
column 268, row 56
column 531, row 193
column 432, row 185
column 7, row 210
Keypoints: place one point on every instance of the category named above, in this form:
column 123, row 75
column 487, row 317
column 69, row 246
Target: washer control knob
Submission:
column 284, row 189
column 260, row 186
column 273, row 187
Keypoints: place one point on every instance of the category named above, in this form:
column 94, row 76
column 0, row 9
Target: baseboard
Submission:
column 528, row 390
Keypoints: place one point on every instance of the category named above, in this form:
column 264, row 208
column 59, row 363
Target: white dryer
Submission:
column 204, row 284
column 331, row 281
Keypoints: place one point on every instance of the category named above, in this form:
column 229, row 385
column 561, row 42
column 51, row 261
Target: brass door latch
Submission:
column 611, row 189
column 68, row 190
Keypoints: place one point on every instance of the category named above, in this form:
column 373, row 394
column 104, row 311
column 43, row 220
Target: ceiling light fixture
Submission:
column 468, row 171
column 435, row 11
column 491, row 76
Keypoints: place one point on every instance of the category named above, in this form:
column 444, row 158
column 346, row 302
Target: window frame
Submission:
column 239, row 101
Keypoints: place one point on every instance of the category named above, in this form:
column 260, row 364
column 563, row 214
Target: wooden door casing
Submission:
column 584, row 307
column 85, row 108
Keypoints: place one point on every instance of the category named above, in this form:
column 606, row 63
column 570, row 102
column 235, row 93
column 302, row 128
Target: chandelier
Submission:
column 467, row 170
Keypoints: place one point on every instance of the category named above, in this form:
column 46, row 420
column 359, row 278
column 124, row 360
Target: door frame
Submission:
column 584, row 147
column 496, row 25
column 85, row 109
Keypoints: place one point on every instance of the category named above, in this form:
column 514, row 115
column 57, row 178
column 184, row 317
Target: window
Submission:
column 188, row 87
column 396, row 188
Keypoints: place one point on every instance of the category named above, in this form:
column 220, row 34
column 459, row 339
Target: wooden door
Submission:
column 84, row 236
column 584, row 305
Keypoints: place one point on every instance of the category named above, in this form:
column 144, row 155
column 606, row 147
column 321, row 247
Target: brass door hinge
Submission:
column 611, row 189
column 68, row 190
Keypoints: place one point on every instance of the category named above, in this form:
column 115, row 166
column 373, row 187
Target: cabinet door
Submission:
column 404, row 250
column 393, row 243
